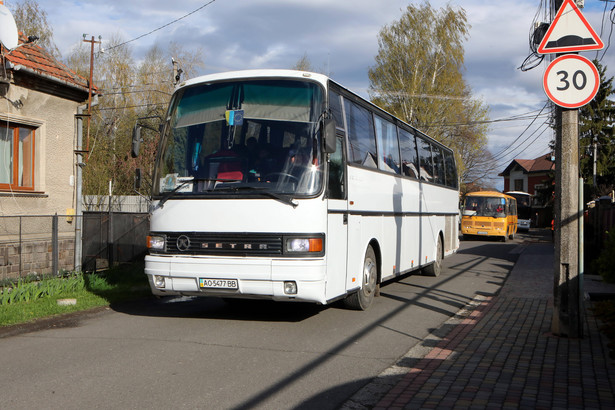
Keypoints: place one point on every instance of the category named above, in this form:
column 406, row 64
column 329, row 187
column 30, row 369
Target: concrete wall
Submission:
column 34, row 258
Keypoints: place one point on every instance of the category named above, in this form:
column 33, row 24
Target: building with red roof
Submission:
column 528, row 175
column 534, row 176
column 41, row 100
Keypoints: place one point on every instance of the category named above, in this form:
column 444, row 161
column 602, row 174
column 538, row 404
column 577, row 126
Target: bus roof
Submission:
column 493, row 194
column 269, row 73
column 517, row 193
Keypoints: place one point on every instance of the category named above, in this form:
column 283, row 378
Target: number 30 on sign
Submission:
column 571, row 81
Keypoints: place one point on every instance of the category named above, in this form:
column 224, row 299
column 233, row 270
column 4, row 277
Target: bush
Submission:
column 605, row 264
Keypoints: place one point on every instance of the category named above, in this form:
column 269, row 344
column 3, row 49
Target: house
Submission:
column 534, row 176
column 39, row 100
column 528, row 175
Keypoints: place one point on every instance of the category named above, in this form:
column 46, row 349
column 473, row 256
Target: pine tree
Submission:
column 596, row 127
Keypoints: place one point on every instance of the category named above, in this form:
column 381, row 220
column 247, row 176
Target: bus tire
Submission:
column 436, row 267
column 363, row 298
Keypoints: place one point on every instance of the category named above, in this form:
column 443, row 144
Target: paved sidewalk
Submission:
column 500, row 353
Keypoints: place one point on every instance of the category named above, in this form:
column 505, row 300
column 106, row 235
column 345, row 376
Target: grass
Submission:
column 29, row 299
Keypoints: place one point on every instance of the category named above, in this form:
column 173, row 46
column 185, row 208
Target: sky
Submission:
column 340, row 38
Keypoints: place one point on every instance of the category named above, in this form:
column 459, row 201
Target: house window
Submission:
column 16, row 157
column 518, row 185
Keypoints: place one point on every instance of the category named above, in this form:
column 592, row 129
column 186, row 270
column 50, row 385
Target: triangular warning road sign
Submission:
column 569, row 32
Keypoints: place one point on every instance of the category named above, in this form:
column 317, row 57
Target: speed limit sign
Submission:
column 571, row 81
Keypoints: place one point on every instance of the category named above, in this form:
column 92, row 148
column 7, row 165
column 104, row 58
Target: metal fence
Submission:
column 113, row 237
column 45, row 244
column 116, row 203
column 599, row 220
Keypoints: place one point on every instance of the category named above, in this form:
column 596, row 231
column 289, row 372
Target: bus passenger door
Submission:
column 337, row 222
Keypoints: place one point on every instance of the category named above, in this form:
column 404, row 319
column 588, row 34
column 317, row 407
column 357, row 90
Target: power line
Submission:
column 163, row 26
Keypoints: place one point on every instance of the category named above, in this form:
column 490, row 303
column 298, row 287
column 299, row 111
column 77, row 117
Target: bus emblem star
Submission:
column 183, row 243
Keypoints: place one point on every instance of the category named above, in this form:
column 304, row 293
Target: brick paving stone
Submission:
column 503, row 355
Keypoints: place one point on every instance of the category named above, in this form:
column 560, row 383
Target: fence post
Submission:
column 54, row 245
column 20, row 249
column 110, row 238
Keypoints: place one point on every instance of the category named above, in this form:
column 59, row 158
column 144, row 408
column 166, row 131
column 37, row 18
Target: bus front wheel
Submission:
column 363, row 298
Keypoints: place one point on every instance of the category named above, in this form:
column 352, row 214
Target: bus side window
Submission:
column 336, row 109
column 408, row 154
column 425, row 160
column 451, row 170
column 388, row 147
column 361, row 138
column 438, row 164
column 337, row 177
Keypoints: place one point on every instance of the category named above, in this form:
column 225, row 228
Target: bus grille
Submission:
column 223, row 244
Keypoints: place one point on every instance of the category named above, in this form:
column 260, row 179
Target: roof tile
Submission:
column 34, row 57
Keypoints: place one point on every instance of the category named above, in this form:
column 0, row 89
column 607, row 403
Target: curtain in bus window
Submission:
column 284, row 101
column 451, row 169
column 408, row 154
column 6, row 155
column 336, row 109
column 386, row 134
column 362, row 142
column 425, row 160
column 202, row 105
column 438, row 164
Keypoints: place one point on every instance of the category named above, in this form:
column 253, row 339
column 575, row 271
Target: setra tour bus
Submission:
column 488, row 213
column 284, row 185
column 524, row 209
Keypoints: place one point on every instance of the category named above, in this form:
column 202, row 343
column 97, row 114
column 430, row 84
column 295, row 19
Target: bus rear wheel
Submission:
column 436, row 267
column 363, row 298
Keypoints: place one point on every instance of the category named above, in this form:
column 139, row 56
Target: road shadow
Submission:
column 219, row 309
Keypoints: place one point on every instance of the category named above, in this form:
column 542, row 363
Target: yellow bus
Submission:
column 489, row 214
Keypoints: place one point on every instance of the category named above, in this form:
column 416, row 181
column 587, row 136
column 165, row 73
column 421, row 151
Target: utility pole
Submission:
column 570, row 81
column 594, row 160
column 90, row 88
column 568, row 309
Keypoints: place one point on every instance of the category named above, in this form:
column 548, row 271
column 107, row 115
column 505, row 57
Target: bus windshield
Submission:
column 485, row 206
column 242, row 138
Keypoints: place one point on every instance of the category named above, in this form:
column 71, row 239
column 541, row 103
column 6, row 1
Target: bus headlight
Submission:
column 304, row 245
column 156, row 242
column 290, row 288
column 159, row 281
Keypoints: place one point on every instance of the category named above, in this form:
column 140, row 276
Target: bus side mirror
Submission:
column 136, row 141
column 329, row 137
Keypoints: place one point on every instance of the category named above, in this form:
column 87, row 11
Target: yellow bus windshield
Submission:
column 485, row 206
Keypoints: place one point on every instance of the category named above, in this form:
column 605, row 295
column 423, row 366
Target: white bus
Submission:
column 285, row 185
column 524, row 209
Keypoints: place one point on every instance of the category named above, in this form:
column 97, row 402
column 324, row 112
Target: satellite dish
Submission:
column 8, row 28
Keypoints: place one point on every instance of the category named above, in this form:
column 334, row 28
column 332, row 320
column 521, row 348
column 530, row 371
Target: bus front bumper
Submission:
column 252, row 278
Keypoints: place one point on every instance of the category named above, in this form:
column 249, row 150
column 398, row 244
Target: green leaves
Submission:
column 24, row 291
column 418, row 76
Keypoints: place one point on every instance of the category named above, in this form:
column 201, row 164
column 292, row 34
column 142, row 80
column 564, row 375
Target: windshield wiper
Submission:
column 169, row 194
column 286, row 199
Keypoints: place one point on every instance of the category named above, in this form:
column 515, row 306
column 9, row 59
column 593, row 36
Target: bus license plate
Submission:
column 211, row 283
column 482, row 233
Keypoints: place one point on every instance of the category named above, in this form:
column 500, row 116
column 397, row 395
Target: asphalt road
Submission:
column 206, row 353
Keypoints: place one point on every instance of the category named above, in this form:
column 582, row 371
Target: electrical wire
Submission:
column 163, row 26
